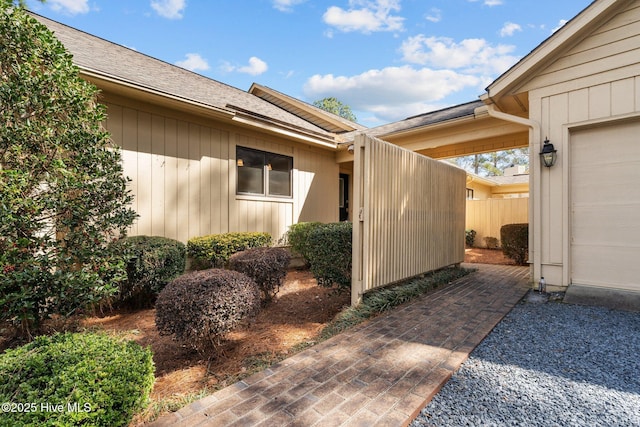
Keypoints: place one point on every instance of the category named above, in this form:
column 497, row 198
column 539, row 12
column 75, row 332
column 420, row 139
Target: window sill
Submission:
column 258, row 198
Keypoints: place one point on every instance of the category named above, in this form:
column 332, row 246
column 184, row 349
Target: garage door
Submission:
column 605, row 202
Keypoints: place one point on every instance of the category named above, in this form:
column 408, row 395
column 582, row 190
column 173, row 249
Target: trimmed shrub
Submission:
column 213, row 251
column 75, row 379
column 470, row 237
column 151, row 262
column 266, row 266
column 200, row 307
column 491, row 242
column 515, row 242
column 298, row 238
column 329, row 249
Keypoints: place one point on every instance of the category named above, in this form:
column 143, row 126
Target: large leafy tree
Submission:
column 63, row 196
column 336, row 107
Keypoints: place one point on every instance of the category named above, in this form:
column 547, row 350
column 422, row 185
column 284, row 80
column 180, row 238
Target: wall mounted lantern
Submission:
column 548, row 154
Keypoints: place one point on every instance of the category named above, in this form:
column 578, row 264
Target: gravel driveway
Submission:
column 547, row 364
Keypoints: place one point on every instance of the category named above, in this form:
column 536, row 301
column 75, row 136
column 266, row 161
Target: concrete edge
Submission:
column 617, row 299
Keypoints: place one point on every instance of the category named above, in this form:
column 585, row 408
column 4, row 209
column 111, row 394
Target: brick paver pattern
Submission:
column 380, row 373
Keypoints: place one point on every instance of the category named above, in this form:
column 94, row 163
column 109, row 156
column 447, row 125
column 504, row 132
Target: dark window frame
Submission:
column 271, row 165
column 469, row 193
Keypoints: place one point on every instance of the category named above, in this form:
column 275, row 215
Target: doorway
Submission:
column 344, row 197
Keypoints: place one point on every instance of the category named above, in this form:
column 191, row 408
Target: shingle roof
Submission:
column 326, row 120
column 422, row 120
column 95, row 54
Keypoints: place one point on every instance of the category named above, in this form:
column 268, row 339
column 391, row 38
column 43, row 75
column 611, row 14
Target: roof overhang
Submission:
column 509, row 83
column 121, row 87
column 475, row 133
column 327, row 121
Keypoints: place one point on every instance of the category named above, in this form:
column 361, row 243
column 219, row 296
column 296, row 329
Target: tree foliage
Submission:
column 336, row 107
column 493, row 164
column 63, row 196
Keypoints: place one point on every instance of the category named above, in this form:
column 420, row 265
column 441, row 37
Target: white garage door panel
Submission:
column 614, row 224
column 611, row 178
column 601, row 266
column 605, row 206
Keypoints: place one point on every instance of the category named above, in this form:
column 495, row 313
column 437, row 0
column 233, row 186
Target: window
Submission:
column 469, row 193
column 263, row 173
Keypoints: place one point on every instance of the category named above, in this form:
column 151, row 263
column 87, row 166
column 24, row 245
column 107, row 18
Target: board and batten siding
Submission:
column 487, row 216
column 594, row 83
column 183, row 176
column 409, row 217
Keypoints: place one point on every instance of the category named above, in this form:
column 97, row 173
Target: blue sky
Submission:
column 386, row 59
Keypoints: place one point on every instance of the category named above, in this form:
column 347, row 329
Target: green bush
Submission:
column 63, row 196
column 200, row 307
column 75, row 379
column 213, row 251
column 329, row 249
column 470, row 237
column 298, row 238
column 266, row 266
column 151, row 262
column 515, row 242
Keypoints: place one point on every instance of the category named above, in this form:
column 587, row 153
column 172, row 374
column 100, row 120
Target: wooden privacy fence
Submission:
column 486, row 217
column 408, row 218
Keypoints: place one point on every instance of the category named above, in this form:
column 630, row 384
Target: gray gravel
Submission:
column 547, row 364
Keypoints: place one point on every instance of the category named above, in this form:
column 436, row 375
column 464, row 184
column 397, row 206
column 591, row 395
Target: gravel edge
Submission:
column 547, row 364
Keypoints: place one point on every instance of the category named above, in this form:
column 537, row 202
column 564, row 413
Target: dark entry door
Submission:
column 344, row 197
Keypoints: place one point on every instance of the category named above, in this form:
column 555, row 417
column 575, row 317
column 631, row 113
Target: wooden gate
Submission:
column 408, row 218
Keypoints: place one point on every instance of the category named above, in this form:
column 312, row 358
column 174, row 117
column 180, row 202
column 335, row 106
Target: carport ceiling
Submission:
column 472, row 135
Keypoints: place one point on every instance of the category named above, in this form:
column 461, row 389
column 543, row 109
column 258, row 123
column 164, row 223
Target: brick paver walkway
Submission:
column 381, row 373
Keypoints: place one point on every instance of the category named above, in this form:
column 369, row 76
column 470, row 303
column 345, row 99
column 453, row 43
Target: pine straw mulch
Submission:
column 292, row 320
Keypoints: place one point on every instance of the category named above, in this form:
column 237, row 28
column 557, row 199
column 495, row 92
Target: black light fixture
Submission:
column 548, row 154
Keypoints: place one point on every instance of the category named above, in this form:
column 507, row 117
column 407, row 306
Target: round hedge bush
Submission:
column 266, row 266
column 200, row 307
column 330, row 254
column 515, row 242
column 151, row 263
column 75, row 379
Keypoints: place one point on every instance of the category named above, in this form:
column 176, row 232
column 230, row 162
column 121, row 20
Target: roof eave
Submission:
column 431, row 126
column 256, row 89
column 125, row 88
column 544, row 53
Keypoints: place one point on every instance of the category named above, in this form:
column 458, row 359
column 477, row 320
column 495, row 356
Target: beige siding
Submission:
column 595, row 83
column 486, row 217
column 612, row 49
column 184, row 178
column 480, row 191
column 409, row 216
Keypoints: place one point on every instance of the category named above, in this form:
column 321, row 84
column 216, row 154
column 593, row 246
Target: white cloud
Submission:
column 193, row 62
column 489, row 3
column 392, row 93
column 560, row 25
column 286, row 5
column 171, row 9
column 471, row 56
column 255, row 67
column 72, row 7
column 365, row 16
column 435, row 15
column 509, row 29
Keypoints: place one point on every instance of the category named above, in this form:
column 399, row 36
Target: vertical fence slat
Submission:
column 413, row 215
